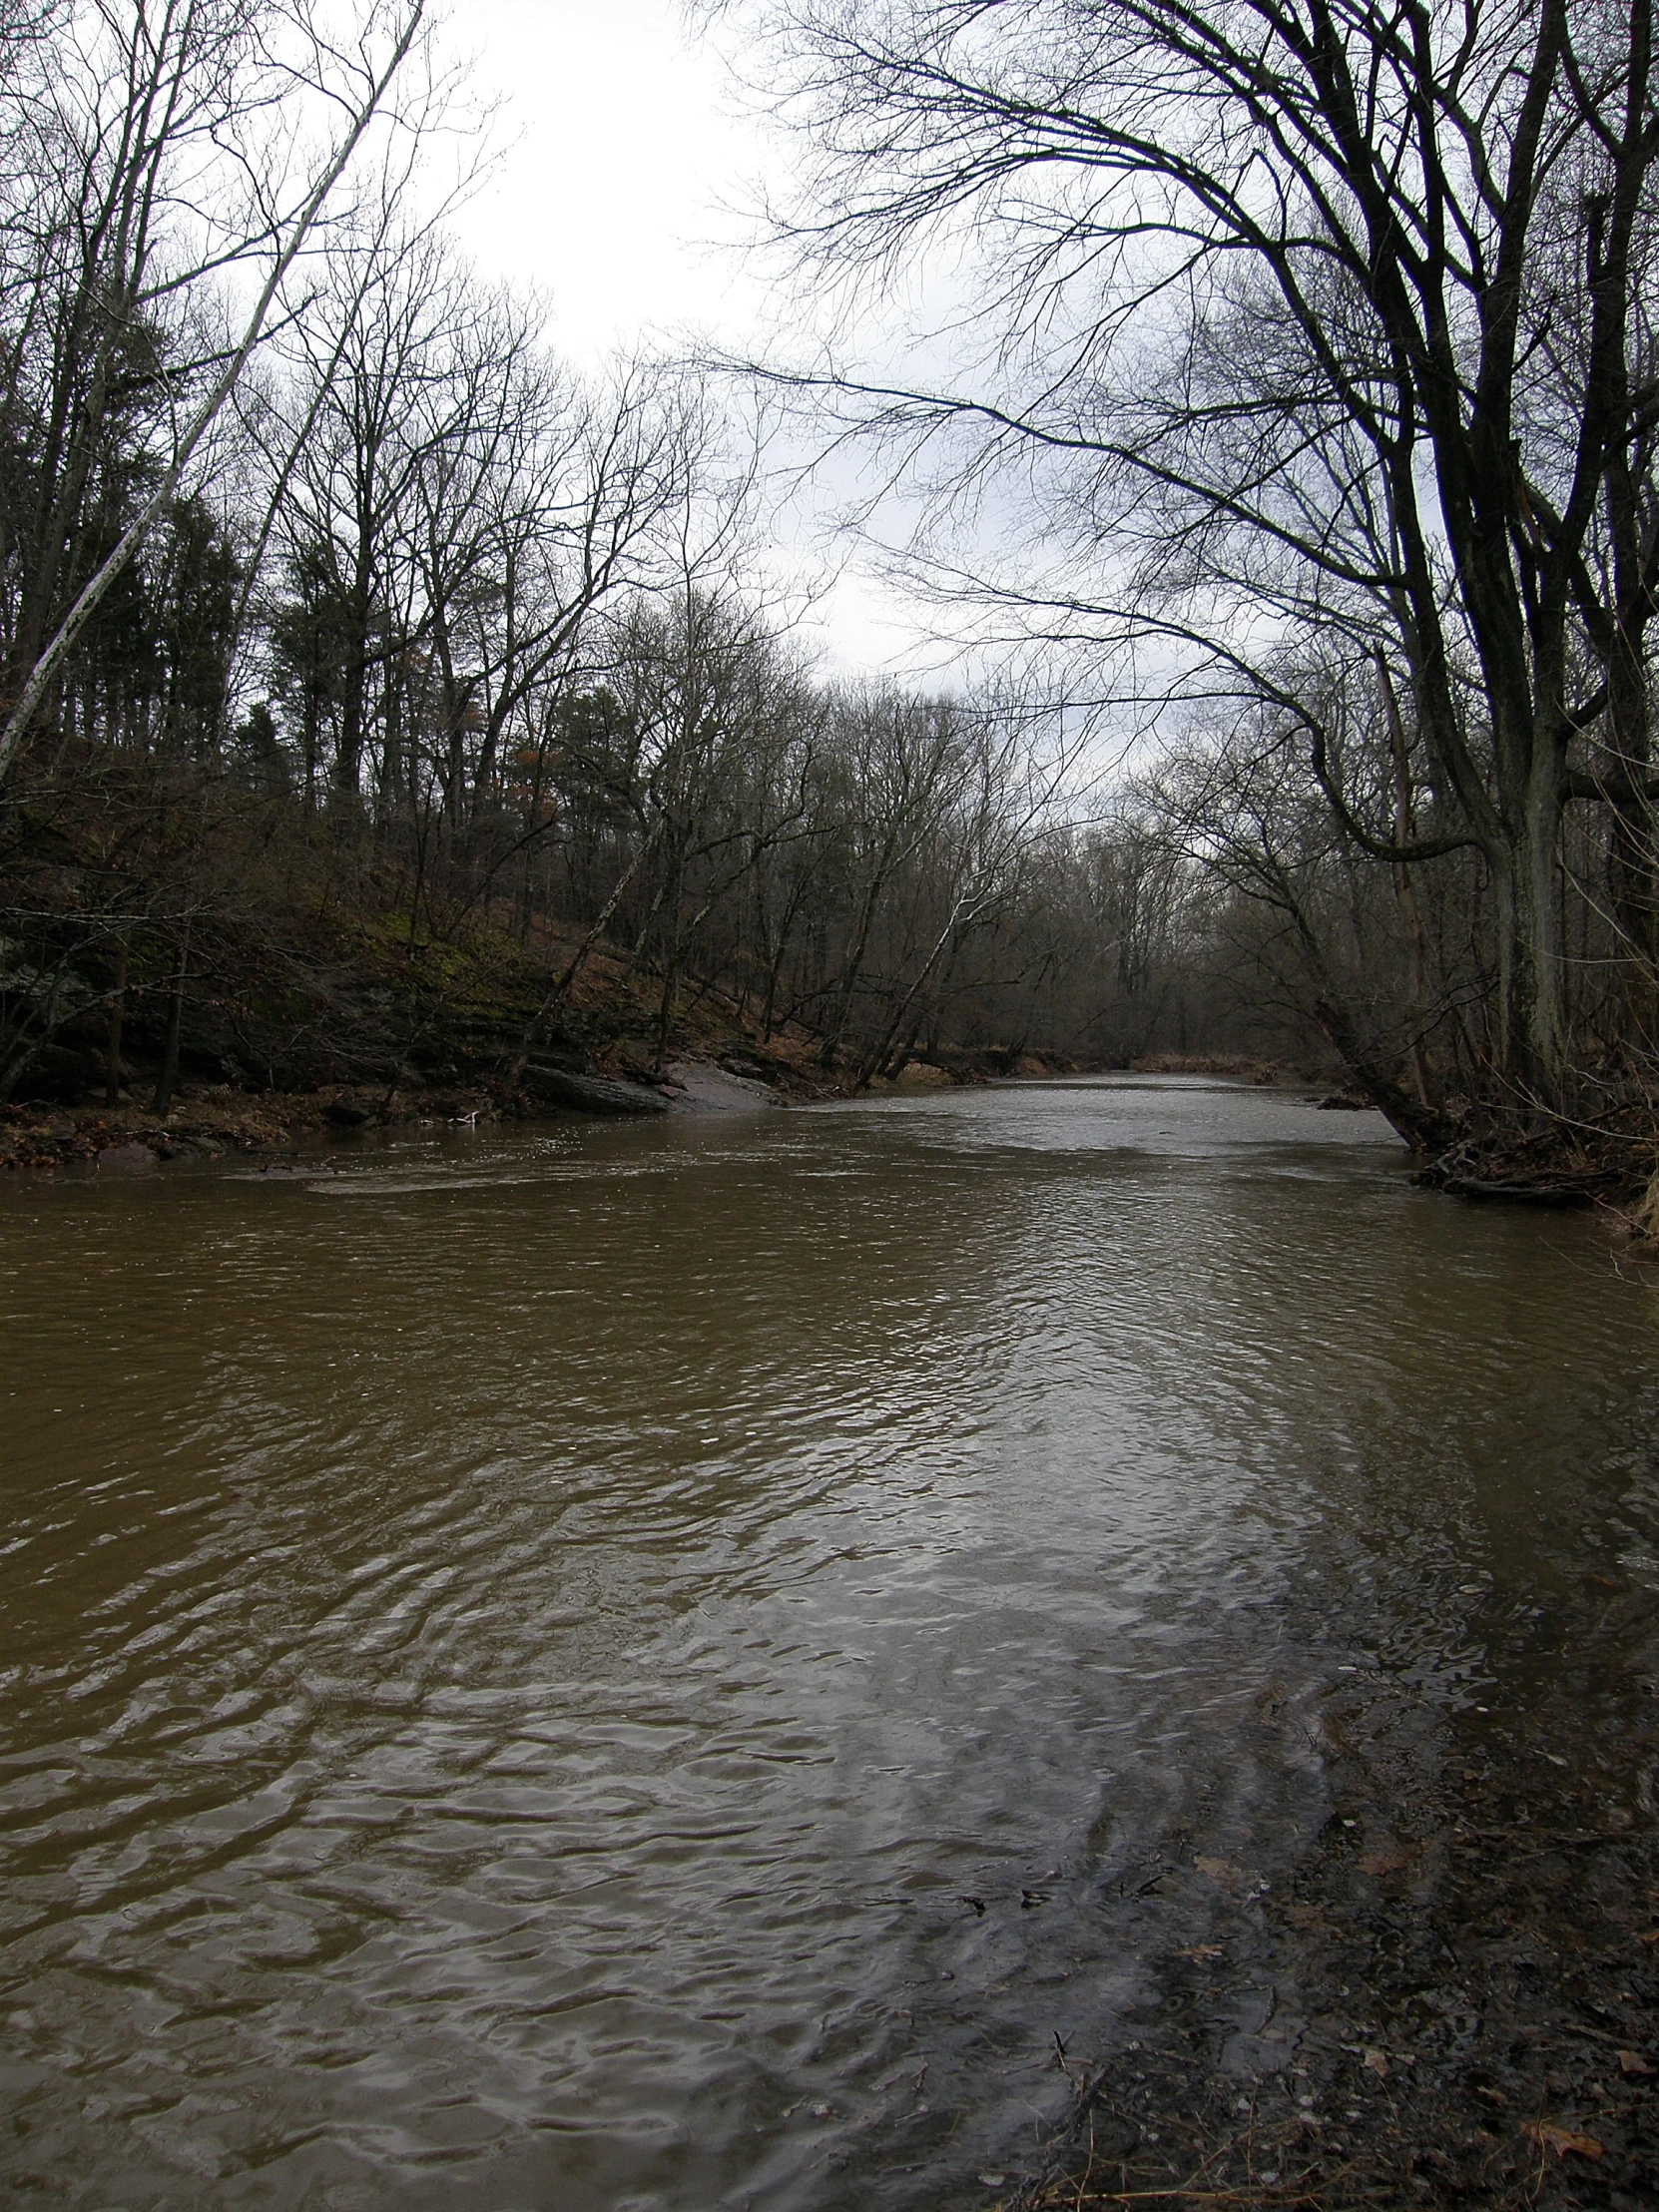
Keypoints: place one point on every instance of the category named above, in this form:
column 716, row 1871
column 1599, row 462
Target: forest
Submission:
column 386, row 703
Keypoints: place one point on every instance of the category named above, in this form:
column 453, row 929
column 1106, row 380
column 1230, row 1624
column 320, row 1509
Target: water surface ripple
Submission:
column 614, row 1668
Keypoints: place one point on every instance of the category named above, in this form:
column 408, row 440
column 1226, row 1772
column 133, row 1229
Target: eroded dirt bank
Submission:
column 212, row 1123
column 221, row 1120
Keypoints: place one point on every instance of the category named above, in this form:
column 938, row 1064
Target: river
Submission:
column 616, row 1668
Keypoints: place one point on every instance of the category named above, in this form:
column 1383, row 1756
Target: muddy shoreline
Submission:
column 219, row 1120
column 1467, row 2013
column 1448, row 1994
column 224, row 1121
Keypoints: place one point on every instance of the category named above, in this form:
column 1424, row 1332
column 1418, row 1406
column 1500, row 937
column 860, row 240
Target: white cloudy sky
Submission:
column 627, row 164
column 622, row 139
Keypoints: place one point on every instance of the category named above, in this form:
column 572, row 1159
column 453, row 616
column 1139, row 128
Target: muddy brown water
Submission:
column 607, row 1669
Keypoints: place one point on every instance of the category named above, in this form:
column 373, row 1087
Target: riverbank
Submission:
column 1449, row 1997
column 1607, row 1156
column 222, row 1120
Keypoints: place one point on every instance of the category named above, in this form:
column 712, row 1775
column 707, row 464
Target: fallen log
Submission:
column 1470, row 1172
column 591, row 1094
column 1527, row 1191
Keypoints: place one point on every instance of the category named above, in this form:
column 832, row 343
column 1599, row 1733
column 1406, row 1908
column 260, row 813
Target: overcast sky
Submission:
column 622, row 141
column 621, row 192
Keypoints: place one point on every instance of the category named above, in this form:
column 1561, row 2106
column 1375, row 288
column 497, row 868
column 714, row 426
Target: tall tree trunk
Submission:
column 162, row 1105
column 664, row 1006
column 1532, row 1038
column 118, row 1012
column 1406, row 891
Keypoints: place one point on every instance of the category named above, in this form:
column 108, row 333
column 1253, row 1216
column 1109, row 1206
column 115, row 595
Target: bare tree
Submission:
column 164, row 137
column 1312, row 325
